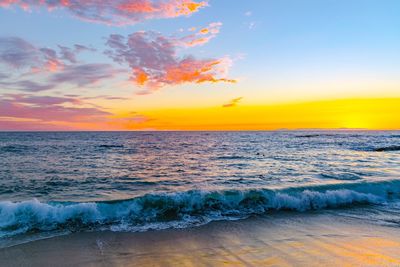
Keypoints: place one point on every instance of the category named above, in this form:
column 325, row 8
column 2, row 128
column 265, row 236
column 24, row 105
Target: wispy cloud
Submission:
column 11, row 124
column 3, row 76
column 33, row 112
column 233, row 103
column 114, row 12
column 18, row 53
column 76, row 75
column 201, row 37
column 49, row 109
column 84, row 74
column 105, row 97
column 69, row 54
column 251, row 25
column 27, row 85
column 130, row 122
column 46, row 68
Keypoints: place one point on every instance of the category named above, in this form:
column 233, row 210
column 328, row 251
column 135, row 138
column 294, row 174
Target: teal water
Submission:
column 136, row 181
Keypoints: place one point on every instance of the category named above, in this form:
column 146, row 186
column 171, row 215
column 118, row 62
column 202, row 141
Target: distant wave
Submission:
column 314, row 135
column 14, row 148
column 387, row 148
column 183, row 209
column 344, row 176
column 230, row 157
column 111, row 146
column 330, row 135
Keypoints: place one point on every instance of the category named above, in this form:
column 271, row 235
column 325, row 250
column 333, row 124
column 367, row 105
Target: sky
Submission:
column 199, row 65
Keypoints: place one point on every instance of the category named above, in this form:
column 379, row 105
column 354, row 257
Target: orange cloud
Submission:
column 141, row 76
column 233, row 102
column 190, row 7
column 114, row 12
column 192, row 70
column 53, row 65
column 201, row 37
column 133, row 121
column 155, row 62
column 137, row 7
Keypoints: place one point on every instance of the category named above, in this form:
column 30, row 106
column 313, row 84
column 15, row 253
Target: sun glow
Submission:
column 373, row 114
column 354, row 121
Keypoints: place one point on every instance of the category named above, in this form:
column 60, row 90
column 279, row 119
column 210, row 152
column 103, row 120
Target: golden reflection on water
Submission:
column 274, row 240
column 281, row 244
column 326, row 251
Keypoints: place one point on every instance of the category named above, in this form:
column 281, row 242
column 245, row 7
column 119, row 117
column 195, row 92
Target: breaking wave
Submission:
column 183, row 209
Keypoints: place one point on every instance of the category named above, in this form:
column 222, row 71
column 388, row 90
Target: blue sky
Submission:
column 280, row 51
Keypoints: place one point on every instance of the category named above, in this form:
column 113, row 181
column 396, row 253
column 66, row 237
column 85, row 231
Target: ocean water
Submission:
column 61, row 182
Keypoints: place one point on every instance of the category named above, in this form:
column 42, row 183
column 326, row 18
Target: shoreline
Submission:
column 285, row 239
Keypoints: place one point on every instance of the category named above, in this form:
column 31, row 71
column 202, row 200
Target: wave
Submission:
column 111, row 146
column 15, row 148
column 387, row 148
column 183, row 209
column 232, row 157
column 344, row 176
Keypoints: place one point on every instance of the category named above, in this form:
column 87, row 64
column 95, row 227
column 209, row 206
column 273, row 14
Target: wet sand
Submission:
column 291, row 239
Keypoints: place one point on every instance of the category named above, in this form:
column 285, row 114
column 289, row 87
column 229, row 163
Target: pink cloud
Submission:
column 78, row 75
column 114, row 12
column 49, row 109
column 19, row 54
column 30, row 112
column 155, row 63
column 27, row 85
column 69, row 54
column 7, row 124
column 55, row 66
column 84, row 74
column 133, row 121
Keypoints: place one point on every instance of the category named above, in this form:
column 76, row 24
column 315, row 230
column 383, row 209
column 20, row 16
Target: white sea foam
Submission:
column 182, row 209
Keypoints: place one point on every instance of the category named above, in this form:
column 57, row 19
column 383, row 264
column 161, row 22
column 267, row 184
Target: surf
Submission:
column 187, row 208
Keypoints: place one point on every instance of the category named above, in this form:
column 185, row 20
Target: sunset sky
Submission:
column 199, row 65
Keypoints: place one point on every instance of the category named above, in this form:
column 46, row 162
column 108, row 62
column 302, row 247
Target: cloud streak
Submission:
column 84, row 74
column 76, row 75
column 201, row 37
column 233, row 103
column 28, row 86
column 48, row 109
column 114, row 12
column 31, row 112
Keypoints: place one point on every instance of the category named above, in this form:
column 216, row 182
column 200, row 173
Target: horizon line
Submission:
column 205, row 130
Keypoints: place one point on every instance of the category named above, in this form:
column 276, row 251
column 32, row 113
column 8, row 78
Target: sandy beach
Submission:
column 199, row 133
column 312, row 239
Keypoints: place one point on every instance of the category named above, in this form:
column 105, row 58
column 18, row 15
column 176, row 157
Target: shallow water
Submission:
column 134, row 181
column 281, row 239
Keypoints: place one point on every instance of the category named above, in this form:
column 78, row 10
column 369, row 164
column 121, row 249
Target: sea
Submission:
column 57, row 183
